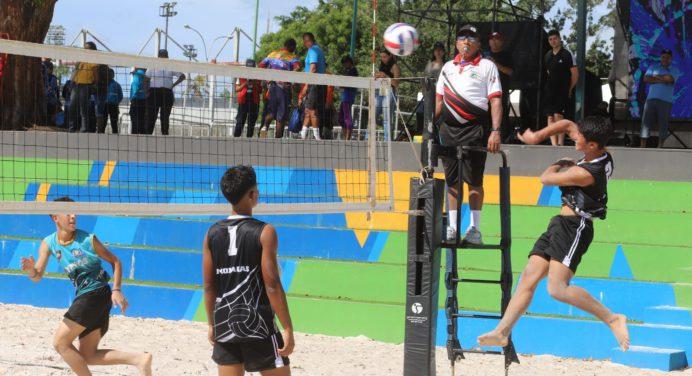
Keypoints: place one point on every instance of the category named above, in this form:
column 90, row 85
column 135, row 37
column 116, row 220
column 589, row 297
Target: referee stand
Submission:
column 425, row 240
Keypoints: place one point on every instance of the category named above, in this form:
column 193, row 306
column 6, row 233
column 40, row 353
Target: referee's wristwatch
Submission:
column 495, row 130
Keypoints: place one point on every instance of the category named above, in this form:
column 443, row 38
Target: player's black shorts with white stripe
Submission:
column 257, row 355
column 566, row 240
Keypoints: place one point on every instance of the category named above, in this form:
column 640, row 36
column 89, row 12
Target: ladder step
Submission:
column 476, row 316
column 467, row 280
column 492, row 352
column 462, row 245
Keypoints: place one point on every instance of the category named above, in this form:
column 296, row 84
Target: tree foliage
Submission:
column 330, row 21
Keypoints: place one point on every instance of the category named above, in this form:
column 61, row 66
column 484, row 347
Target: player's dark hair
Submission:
column 596, row 129
column 553, row 32
column 290, row 44
column 61, row 199
column 237, row 181
column 310, row 36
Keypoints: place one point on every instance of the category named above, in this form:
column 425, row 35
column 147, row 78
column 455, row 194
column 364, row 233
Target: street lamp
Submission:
column 206, row 57
column 166, row 10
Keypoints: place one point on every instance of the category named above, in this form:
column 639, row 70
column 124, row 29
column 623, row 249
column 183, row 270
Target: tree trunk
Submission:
column 22, row 98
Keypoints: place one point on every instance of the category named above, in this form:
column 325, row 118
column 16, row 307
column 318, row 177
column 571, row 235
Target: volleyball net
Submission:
column 59, row 105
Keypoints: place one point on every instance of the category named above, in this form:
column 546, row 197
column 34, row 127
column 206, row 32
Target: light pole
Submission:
column 166, row 11
column 190, row 51
column 204, row 44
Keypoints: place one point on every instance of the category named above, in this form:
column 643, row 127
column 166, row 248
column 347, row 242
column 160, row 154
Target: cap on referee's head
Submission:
column 468, row 29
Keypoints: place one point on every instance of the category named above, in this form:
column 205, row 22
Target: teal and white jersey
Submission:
column 80, row 261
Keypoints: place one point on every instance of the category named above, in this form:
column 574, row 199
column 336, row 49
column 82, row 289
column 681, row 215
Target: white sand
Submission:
column 181, row 348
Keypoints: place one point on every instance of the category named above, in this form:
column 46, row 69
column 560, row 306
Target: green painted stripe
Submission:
column 638, row 194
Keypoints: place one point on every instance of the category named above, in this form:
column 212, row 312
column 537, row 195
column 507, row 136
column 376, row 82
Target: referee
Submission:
column 467, row 86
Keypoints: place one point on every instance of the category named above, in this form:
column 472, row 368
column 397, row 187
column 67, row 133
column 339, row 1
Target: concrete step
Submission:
column 667, row 315
column 651, row 357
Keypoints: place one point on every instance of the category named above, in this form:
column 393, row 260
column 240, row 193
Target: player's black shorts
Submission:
column 566, row 240
column 556, row 101
column 92, row 311
column 257, row 355
column 315, row 100
column 474, row 161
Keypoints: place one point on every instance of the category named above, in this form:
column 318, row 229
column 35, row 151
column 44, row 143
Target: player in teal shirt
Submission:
column 80, row 253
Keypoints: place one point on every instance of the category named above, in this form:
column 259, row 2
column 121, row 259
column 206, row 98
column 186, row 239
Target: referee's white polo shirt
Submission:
column 477, row 81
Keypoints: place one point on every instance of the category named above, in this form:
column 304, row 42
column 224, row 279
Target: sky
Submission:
column 125, row 25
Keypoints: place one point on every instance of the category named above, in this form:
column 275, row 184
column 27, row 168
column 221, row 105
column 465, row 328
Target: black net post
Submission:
column 423, row 276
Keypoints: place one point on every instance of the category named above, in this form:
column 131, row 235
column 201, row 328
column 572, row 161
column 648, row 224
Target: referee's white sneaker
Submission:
column 451, row 234
column 473, row 236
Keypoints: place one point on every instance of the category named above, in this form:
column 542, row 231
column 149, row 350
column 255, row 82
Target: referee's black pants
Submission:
column 160, row 100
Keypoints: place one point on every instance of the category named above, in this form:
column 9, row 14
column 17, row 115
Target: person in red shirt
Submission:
column 248, row 93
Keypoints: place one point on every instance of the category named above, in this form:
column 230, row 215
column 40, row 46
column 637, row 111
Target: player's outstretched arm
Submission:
column 564, row 173
column 530, row 137
column 117, row 297
column 209, row 286
column 272, row 283
column 35, row 270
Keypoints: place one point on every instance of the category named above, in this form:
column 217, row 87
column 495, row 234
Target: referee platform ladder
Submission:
column 452, row 275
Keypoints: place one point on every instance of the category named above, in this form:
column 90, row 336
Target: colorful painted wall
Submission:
column 345, row 273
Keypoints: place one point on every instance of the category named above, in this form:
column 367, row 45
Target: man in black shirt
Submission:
column 562, row 76
column 503, row 61
column 559, row 250
column 242, row 289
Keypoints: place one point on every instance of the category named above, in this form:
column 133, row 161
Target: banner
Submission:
column 655, row 25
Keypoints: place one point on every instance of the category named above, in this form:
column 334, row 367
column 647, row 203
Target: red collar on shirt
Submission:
column 457, row 61
column 475, row 61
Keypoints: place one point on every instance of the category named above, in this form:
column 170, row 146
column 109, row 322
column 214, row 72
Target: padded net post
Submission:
column 423, row 276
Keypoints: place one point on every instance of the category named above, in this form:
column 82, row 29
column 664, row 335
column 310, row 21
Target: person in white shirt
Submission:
column 161, row 95
column 468, row 86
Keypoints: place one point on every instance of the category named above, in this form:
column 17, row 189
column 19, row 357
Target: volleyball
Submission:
column 401, row 39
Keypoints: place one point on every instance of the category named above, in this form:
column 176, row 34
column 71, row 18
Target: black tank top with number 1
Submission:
column 242, row 311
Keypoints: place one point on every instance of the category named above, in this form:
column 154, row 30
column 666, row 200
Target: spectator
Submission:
column 83, row 79
column 432, row 71
column 248, row 93
column 161, row 97
column 115, row 96
column 464, row 88
column 348, row 97
column 313, row 95
column 99, row 97
column 279, row 92
column 138, row 104
column 503, row 62
column 66, row 93
column 52, row 92
column 661, row 79
column 562, row 78
column 388, row 69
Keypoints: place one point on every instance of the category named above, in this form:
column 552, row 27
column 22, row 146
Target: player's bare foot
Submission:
column 619, row 327
column 144, row 365
column 494, row 338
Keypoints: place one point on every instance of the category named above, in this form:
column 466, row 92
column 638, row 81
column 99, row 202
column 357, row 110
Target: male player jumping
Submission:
column 80, row 254
column 242, row 289
column 559, row 250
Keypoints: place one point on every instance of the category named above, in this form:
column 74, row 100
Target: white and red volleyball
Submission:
column 401, row 39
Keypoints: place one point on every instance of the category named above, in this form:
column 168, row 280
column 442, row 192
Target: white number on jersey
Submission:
column 232, row 248
column 609, row 170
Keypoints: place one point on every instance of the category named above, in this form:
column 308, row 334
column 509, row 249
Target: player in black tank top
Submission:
column 558, row 251
column 242, row 289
